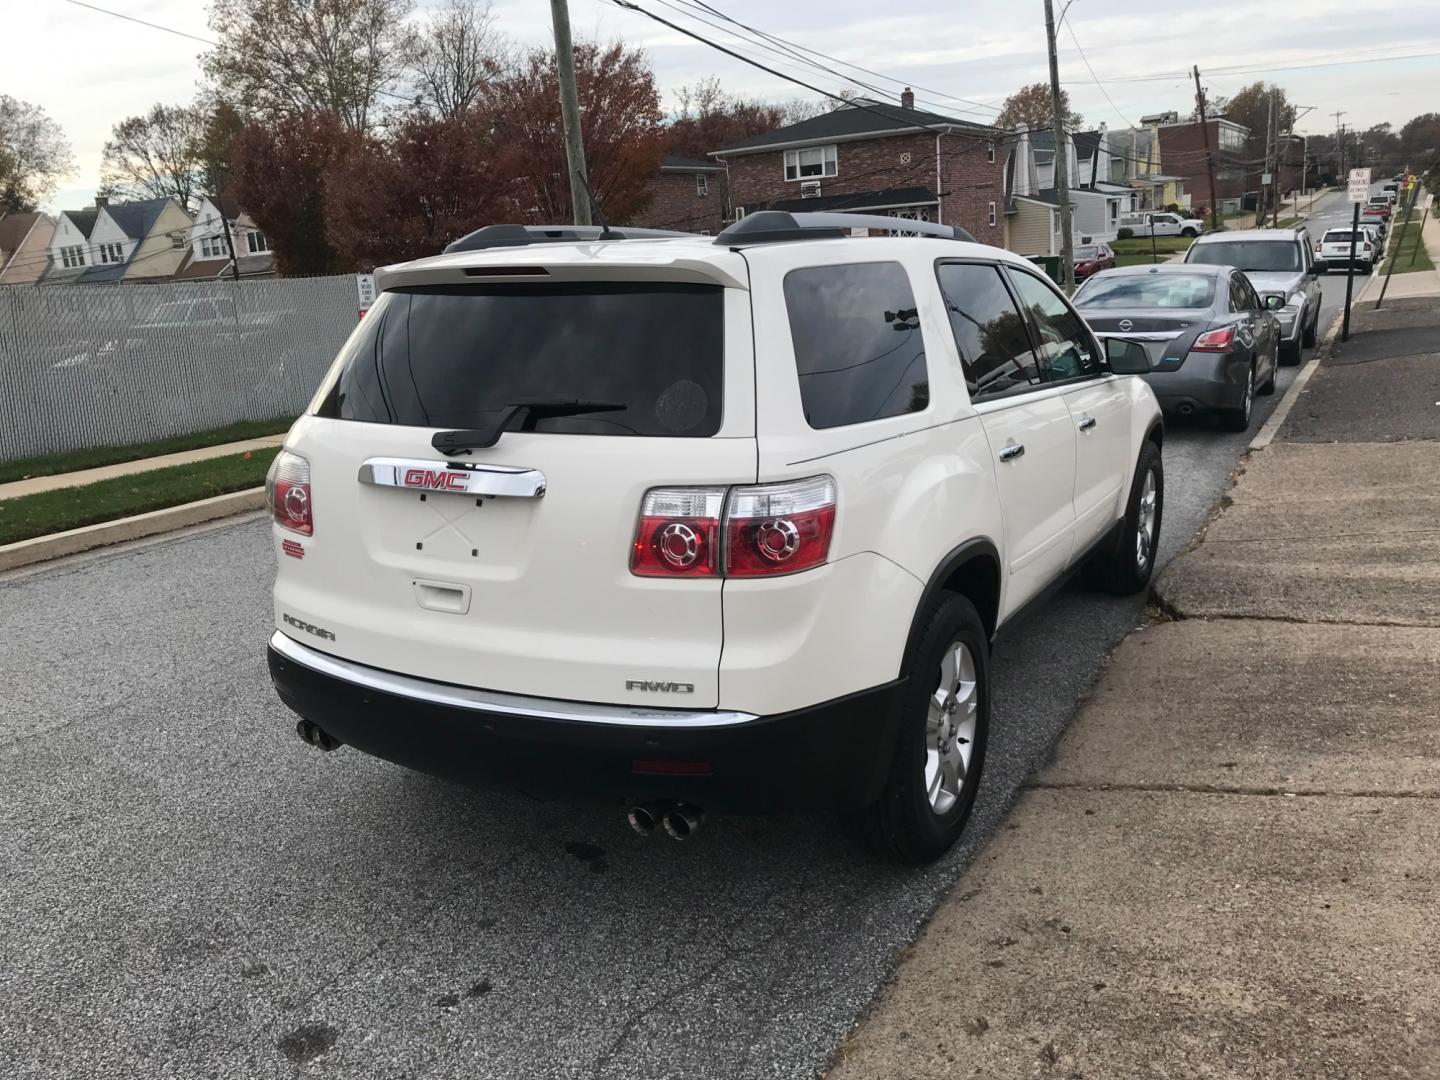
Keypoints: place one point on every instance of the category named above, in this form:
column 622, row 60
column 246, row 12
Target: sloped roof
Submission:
column 227, row 205
column 84, row 220
column 873, row 118
column 137, row 218
column 1086, row 142
column 14, row 228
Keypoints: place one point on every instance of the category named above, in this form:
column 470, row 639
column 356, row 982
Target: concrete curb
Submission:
column 56, row 545
column 1266, row 435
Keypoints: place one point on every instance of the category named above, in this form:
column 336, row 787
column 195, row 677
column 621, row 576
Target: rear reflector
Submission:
column 287, row 491
column 1215, row 340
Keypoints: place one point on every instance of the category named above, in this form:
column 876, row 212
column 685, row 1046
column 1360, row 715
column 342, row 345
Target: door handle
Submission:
column 1088, row 423
column 1010, row 453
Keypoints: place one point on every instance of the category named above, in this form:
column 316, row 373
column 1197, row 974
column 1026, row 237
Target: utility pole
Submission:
column 1339, row 144
column 1209, row 153
column 1062, row 158
column 229, row 243
column 1266, row 193
column 570, row 113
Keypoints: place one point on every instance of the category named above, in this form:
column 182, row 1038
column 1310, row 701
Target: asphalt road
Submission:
column 190, row 891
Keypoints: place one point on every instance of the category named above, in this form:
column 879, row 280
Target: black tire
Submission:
column 1239, row 419
column 1118, row 569
column 902, row 825
column 1311, row 331
column 1269, row 387
column 1189, row 232
column 1289, row 354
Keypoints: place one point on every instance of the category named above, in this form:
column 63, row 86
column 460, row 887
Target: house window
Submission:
column 811, row 162
column 257, row 242
column 702, row 184
column 176, row 240
column 916, row 214
column 212, row 247
column 993, row 218
column 1114, row 211
column 1231, row 138
column 110, row 253
column 72, row 256
column 990, row 156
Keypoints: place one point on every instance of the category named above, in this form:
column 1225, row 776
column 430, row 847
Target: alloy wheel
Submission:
column 954, row 709
column 1145, row 520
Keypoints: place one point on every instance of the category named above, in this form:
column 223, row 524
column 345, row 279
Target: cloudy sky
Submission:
column 89, row 70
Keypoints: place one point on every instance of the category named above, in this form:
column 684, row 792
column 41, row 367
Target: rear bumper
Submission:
column 1204, row 383
column 834, row 755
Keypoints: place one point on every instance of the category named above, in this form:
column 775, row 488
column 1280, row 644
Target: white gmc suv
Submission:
column 694, row 522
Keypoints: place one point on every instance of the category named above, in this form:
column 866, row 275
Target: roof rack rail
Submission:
column 502, row 236
column 779, row 226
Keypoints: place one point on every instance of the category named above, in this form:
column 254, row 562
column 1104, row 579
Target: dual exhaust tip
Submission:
column 679, row 820
column 317, row 736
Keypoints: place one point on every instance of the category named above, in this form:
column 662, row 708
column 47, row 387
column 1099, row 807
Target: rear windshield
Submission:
column 458, row 356
column 1147, row 290
column 1344, row 237
column 1262, row 255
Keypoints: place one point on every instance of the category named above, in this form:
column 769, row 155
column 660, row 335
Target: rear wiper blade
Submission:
column 463, row 441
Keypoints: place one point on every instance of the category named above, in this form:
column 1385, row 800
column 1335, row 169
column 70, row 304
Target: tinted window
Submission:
column 457, row 356
column 1262, row 255
column 1252, row 298
column 1238, row 301
column 1147, row 290
column 1067, row 351
column 990, row 333
column 858, row 346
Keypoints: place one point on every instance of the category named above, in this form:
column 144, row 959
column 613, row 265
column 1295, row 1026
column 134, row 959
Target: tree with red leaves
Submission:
column 620, row 118
column 278, row 176
column 431, row 181
column 709, row 118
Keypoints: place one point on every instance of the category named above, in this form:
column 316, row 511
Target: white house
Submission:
column 70, row 249
column 209, row 253
column 1095, row 203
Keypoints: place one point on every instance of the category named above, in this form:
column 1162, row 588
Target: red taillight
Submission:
column 287, row 490
column 779, row 528
column 1319, row 246
column 1215, row 340
column 767, row 529
column 679, row 533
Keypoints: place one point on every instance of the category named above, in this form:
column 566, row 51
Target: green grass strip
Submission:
column 71, row 508
column 1138, row 245
column 1412, row 256
column 75, row 460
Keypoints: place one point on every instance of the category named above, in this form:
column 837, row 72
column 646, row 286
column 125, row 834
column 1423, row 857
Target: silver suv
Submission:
column 1278, row 262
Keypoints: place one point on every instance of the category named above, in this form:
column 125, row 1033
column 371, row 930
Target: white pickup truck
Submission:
column 1158, row 223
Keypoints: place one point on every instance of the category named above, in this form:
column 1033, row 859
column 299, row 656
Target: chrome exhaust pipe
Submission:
column 644, row 818
column 317, row 736
column 682, row 821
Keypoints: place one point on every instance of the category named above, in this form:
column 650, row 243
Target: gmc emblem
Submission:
column 434, row 479
column 647, row 686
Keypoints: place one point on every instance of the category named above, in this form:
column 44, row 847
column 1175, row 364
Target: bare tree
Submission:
column 286, row 57
column 457, row 51
column 34, row 155
column 156, row 156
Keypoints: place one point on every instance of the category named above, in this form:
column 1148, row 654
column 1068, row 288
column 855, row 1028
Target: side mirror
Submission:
column 1274, row 302
column 1127, row 357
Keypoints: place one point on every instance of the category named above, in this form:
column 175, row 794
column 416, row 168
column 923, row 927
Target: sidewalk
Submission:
column 1232, row 868
column 35, row 485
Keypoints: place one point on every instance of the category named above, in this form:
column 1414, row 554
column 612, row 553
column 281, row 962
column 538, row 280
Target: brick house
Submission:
column 1182, row 143
column 897, row 161
column 688, row 195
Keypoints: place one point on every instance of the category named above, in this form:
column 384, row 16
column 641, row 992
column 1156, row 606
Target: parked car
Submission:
column 1392, row 186
column 1278, row 261
column 1379, row 204
column 1091, row 259
column 1371, row 217
column 1161, row 223
column 1211, row 343
column 505, row 525
column 1335, row 247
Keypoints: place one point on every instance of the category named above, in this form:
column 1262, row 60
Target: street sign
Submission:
column 1359, row 185
column 1425, row 206
column 1265, row 179
column 365, row 290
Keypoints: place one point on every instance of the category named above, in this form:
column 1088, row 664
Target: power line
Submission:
column 1094, row 77
column 1257, row 70
column 792, row 46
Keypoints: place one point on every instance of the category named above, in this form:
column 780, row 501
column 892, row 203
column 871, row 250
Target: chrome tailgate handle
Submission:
column 455, row 478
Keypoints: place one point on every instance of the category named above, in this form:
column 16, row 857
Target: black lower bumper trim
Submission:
column 835, row 755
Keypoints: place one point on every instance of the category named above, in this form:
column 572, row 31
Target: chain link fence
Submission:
column 83, row 366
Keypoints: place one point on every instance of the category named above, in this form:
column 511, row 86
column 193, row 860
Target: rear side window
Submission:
column 457, row 356
column 858, row 346
column 990, row 332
